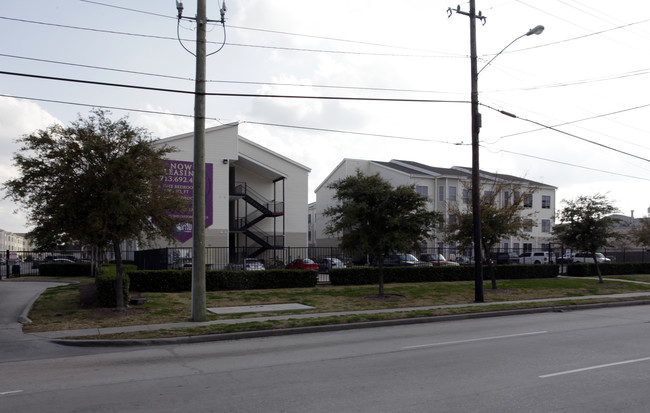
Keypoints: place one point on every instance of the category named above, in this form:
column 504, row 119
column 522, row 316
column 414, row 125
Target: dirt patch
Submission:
column 385, row 297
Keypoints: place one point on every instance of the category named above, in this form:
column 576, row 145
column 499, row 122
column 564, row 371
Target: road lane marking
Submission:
column 444, row 343
column 4, row 393
column 601, row 366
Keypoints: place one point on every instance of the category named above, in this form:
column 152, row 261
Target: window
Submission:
column 453, row 219
column 506, row 198
column 546, row 225
column 466, row 196
column 528, row 200
column 528, row 247
column 528, row 225
column 441, row 193
column 488, row 197
column 546, row 201
column 515, row 247
column 422, row 190
column 452, row 194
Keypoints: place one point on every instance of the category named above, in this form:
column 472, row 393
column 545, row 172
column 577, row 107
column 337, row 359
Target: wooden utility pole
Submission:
column 198, row 215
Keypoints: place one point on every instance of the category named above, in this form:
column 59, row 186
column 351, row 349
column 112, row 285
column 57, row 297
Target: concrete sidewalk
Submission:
column 57, row 335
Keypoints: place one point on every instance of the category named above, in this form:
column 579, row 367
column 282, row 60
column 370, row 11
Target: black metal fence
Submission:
column 17, row 263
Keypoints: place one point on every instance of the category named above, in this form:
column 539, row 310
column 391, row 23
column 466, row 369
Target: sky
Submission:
column 578, row 90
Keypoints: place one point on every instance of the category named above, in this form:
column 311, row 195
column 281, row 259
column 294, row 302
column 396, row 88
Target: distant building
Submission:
column 441, row 187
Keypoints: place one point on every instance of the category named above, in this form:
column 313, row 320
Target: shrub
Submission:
column 370, row 275
column 610, row 268
column 175, row 280
column 105, row 284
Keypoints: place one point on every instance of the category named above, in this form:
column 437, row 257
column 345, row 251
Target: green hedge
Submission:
column 612, row 268
column 370, row 275
column 64, row 269
column 105, row 284
column 175, row 280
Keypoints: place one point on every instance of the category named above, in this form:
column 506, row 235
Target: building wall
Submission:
column 235, row 158
column 433, row 182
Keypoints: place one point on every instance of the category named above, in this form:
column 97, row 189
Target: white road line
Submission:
column 4, row 393
column 473, row 340
column 601, row 366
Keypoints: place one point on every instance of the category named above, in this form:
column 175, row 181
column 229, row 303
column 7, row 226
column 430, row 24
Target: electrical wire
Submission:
column 280, row 125
column 503, row 112
column 315, row 129
column 294, row 49
column 237, row 82
column 573, row 165
column 335, row 39
column 247, row 95
column 603, row 115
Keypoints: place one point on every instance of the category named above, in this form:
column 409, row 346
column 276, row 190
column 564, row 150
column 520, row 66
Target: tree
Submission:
column 375, row 219
column 499, row 219
column 587, row 224
column 97, row 182
column 641, row 234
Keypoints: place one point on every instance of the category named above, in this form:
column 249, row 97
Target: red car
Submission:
column 302, row 264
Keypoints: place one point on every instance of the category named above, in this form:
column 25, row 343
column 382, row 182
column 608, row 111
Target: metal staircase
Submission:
column 263, row 209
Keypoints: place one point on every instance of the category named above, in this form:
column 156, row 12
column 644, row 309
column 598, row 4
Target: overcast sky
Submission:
column 587, row 75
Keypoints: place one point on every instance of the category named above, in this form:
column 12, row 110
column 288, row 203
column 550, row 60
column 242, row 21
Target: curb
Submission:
column 337, row 327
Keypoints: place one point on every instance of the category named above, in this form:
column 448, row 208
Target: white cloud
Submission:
column 17, row 118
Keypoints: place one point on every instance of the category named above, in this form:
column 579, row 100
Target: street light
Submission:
column 535, row 30
column 476, row 126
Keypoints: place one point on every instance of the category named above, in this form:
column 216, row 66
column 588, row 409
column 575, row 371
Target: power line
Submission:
column 310, row 36
column 280, row 125
column 580, row 120
column 573, row 165
column 238, row 82
column 503, row 112
column 247, row 95
column 312, row 129
column 294, row 49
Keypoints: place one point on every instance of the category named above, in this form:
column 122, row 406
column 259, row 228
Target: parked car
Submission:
column 249, row 264
column 461, row 260
column 437, row 260
column 326, row 264
column 302, row 264
column 404, row 260
column 505, row 257
column 62, row 260
column 529, row 257
column 587, row 257
column 52, row 258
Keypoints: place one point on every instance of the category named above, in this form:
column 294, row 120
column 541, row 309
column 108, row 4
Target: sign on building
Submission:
column 180, row 176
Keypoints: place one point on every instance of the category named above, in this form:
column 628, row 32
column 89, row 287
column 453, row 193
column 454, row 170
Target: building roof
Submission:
column 458, row 172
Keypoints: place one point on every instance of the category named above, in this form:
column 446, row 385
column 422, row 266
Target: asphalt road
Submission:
column 583, row 361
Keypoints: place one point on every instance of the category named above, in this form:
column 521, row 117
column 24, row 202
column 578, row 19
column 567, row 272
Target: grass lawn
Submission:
column 70, row 306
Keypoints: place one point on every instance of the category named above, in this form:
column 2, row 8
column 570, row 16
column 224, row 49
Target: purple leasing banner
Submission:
column 180, row 176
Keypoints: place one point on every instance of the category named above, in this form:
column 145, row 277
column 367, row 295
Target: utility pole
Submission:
column 198, row 215
column 476, row 126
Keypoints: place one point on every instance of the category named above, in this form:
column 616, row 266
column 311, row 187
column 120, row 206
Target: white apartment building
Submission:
column 443, row 186
column 256, row 199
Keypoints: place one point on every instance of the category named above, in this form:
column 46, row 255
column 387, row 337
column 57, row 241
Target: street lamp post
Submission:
column 476, row 127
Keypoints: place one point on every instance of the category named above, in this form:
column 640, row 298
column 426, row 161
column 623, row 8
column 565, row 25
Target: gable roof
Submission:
column 458, row 172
